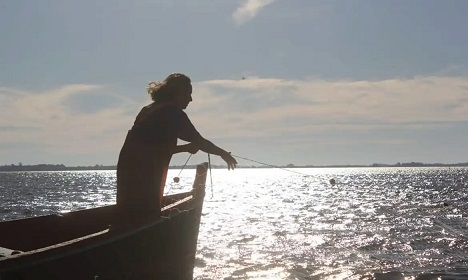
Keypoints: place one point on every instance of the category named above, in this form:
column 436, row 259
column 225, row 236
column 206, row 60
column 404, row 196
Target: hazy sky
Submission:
column 326, row 82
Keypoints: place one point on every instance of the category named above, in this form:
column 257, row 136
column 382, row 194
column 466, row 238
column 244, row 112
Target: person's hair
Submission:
column 166, row 90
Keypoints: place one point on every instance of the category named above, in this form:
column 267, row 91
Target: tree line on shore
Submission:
column 62, row 167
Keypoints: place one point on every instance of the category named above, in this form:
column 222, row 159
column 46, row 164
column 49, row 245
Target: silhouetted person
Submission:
column 151, row 142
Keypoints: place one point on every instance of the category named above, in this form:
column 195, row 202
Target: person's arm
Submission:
column 189, row 148
column 188, row 133
column 210, row 148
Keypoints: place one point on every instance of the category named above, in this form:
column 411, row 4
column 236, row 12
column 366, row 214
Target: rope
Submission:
column 176, row 179
column 184, row 165
column 269, row 165
column 211, row 175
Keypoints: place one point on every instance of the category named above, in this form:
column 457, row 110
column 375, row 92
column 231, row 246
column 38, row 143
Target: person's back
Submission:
column 144, row 158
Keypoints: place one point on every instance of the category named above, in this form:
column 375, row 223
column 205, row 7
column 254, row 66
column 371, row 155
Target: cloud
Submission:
column 244, row 115
column 258, row 106
column 249, row 10
column 53, row 120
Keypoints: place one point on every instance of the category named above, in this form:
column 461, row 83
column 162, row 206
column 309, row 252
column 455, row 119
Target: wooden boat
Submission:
column 93, row 244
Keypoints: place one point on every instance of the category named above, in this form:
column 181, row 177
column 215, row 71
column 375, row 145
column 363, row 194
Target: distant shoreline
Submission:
column 61, row 167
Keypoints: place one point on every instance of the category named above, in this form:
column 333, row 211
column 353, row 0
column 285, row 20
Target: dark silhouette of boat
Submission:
column 93, row 244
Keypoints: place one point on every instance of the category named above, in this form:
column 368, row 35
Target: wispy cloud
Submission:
column 275, row 106
column 51, row 118
column 248, row 10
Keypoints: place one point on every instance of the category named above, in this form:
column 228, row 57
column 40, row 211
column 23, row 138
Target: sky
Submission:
column 277, row 82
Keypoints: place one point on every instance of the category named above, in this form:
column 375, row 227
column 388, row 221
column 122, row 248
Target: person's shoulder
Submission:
column 170, row 110
column 169, row 106
column 160, row 106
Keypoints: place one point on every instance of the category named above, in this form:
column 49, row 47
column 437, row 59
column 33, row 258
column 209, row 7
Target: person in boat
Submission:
column 146, row 153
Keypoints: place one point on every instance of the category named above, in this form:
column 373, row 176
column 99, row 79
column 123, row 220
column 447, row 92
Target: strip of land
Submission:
column 61, row 167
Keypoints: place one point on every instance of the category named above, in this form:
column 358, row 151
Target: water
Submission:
column 375, row 223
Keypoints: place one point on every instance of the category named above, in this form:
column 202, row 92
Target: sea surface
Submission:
column 270, row 223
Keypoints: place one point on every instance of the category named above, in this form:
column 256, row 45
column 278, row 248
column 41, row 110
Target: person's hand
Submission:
column 231, row 162
column 192, row 148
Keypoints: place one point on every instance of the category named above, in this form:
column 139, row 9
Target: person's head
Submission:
column 176, row 88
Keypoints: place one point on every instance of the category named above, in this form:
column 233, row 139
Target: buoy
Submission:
column 176, row 179
column 332, row 182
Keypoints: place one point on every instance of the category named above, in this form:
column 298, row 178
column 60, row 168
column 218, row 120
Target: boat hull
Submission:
column 159, row 248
